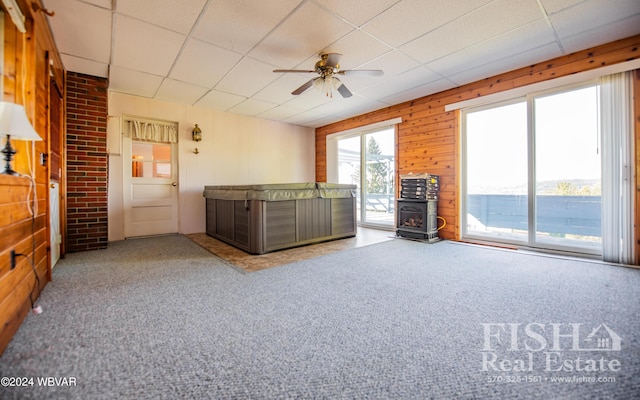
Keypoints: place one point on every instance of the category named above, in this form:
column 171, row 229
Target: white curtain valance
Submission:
column 152, row 131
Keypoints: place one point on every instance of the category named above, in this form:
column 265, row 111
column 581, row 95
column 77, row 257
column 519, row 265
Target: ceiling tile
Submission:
column 406, row 81
column 219, row 100
column 530, row 36
column 100, row 3
column 252, row 107
column 203, row 64
column 588, row 15
column 392, row 64
column 175, row 15
column 418, row 91
column 133, row 82
column 308, row 100
column 338, row 105
column 179, row 92
column 279, row 91
column 357, row 11
column 409, row 19
column 320, row 122
column 225, row 23
column 602, row 34
column 356, row 48
column 247, row 78
column 305, row 32
column 144, row 47
column 85, row 66
column 510, row 63
column 553, row 6
column 81, row 29
column 351, row 82
column 479, row 25
column 279, row 113
column 305, row 118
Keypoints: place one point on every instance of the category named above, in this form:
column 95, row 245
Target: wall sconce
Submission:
column 196, row 136
column 14, row 123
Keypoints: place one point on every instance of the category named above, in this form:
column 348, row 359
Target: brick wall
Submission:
column 87, row 163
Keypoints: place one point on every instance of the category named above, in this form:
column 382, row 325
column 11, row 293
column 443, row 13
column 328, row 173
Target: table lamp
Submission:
column 14, row 124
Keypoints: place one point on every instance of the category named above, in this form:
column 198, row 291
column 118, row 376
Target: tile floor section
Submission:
column 251, row 263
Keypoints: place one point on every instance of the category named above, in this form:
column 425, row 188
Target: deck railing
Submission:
column 577, row 215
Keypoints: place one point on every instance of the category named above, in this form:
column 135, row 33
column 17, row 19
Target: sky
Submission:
column 566, row 141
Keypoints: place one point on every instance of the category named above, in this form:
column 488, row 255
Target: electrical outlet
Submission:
column 13, row 259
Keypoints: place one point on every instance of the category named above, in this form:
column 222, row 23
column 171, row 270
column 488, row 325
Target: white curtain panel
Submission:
column 617, row 168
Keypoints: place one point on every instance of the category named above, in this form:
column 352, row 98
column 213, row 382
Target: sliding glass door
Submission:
column 368, row 161
column 532, row 171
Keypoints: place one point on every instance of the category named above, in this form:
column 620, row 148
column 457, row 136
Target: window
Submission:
column 532, row 171
column 150, row 160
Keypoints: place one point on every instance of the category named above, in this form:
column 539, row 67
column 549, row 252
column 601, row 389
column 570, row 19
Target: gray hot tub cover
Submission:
column 280, row 191
column 335, row 190
column 268, row 192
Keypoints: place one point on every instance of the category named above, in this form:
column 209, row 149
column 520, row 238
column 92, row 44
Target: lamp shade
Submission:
column 14, row 122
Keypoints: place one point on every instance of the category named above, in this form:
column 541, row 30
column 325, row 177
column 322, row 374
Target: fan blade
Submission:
column 301, row 71
column 333, row 59
column 303, row 88
column 342, row 89
column 370, row 72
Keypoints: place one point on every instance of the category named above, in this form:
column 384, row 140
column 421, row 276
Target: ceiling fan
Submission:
column 327, row 68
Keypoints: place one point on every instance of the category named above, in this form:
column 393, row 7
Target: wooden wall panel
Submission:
column 428, row 137
column 24, row 205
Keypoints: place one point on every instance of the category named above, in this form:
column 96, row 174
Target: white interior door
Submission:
column 150, row 188
column 54, row 222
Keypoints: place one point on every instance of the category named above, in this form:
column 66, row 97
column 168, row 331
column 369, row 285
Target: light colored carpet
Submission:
column 162, row 318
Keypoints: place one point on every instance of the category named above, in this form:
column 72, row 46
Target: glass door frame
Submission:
column 332, row 170
column 464, row 177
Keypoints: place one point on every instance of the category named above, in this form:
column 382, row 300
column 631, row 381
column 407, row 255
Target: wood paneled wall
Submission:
column 29, row 61
column 428, row 137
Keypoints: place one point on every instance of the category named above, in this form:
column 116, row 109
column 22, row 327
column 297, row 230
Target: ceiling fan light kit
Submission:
column 327, row 85
column 327, row 68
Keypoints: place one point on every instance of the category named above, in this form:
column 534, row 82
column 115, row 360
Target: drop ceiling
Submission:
column 220, row 54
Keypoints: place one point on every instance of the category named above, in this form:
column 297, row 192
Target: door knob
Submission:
column 174, row 184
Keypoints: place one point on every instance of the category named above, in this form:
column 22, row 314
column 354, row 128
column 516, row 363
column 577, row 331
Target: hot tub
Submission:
column 263, row 218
